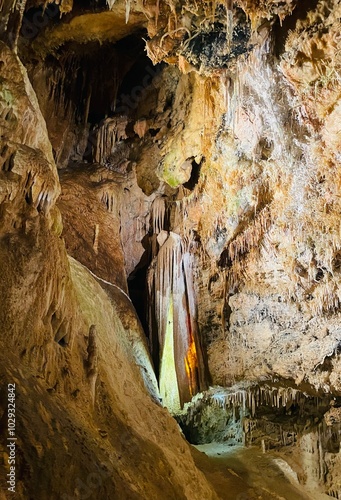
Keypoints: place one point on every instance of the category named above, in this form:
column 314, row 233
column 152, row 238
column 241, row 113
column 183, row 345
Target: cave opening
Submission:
column 137, row 285
column 119, row 87
column 281, row 29
column 103, row 73
column 122, row 68
column 195, row 175
column 36, row 19
column 272, row 416
column 88, row 83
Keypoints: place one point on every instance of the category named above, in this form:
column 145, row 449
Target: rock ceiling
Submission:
column 180, row 159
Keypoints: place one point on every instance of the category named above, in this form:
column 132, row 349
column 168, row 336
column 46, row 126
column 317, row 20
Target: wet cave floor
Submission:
column 239, row 473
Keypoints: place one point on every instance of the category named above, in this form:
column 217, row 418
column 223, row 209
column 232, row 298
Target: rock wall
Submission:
column 206, row 187
column 264, row 211
column 88, row 417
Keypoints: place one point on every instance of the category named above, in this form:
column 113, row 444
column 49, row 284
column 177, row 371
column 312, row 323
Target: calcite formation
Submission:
column 170, row 235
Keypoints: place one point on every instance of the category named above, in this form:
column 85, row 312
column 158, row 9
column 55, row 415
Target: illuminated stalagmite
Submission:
column 173, row 317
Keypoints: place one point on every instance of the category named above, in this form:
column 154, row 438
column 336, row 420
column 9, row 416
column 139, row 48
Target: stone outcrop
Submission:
column 84, row 426
column 186, row 156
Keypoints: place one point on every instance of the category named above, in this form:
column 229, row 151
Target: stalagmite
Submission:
column 96, row 238
column 170, row 282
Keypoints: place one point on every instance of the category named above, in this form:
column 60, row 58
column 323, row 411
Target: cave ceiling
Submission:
column 170, row 200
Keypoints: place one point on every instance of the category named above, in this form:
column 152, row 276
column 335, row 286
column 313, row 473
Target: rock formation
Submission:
column 170, row 240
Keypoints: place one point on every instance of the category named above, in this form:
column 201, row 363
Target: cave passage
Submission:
column 170, row 200
column 108, row 93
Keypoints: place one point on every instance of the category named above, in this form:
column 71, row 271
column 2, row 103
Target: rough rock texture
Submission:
column 265, row 207
column 84, row 383
column 90, row 229
column 206, row 187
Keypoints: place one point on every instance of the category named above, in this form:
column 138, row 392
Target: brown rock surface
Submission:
column 208, row 188
column 65, row 445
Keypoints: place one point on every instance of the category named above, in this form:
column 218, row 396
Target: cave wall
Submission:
column 278, row 225
column 88, row 415
column 208, row 184
column 261, row 119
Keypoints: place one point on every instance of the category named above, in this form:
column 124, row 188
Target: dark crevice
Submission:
column 63, row 342
column 9, row 163
column 90, row 5
column 281, row 30
column 195, row 175
column 138, row 292
column 36, row 19
column 133, row 87
column 154, row 131
column 138, row 295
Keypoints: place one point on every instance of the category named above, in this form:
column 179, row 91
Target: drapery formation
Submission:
column 173, row 322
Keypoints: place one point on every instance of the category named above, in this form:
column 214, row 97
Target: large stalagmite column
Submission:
column 173, row 307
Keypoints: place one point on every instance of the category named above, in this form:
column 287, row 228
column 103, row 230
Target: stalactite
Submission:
column 157, row 12
column 246, row 410
column 158, row 214
column 245, row 248
column 229, row 23
column 226, row 82
column 96, row 239
column 256, row 396
column 214, row 8
column 234, row 95
column 112, row 131
column 111, row 3
column 171, row 281
column 109, row 197
column 116, row 80
column 87, row 105
column 250, row 238
column 128, row 5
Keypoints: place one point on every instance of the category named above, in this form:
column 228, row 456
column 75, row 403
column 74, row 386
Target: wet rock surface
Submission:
column 206, row 188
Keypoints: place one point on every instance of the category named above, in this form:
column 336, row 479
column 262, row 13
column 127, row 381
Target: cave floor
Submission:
column 239, row 473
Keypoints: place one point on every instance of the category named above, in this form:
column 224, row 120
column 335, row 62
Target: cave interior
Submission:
column 170, row 245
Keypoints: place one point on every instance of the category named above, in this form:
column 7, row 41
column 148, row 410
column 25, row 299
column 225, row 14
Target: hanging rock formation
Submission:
column 77, row 398
column 173, row 316
column 170, row 235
